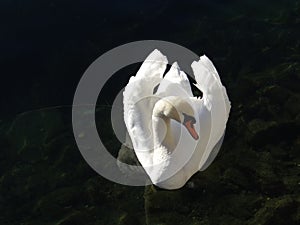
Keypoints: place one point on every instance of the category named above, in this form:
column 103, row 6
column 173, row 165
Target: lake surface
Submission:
column 47, row 45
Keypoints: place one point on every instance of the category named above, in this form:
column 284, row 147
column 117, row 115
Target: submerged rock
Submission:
column 275, row 211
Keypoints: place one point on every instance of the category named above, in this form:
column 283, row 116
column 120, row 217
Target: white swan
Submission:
column 173, row 133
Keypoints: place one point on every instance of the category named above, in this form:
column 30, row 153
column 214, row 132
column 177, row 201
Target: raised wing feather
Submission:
column 175, row 83
column 215, row 100
column 138, row 101
column 148, row 76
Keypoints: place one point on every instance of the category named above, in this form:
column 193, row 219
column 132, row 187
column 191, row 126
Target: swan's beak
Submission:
column 190, row 127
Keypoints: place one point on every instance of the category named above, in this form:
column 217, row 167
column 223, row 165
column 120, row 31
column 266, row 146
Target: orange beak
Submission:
column 190, row 127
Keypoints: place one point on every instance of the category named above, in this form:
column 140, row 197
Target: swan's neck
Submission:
column 162, row 135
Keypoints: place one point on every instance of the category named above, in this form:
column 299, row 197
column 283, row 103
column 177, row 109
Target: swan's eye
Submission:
column 188, row 118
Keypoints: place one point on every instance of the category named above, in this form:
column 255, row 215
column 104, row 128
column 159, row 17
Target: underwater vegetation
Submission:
column 255, row 179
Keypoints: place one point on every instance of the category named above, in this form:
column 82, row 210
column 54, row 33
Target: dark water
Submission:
column 47, row 45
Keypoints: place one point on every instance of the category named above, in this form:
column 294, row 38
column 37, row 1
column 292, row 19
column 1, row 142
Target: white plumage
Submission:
column 173, row 133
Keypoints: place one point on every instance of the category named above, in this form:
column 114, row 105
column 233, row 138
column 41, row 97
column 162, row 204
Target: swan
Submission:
column 174, row 134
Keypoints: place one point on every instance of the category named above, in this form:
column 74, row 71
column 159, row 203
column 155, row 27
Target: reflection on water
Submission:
column 255, row 177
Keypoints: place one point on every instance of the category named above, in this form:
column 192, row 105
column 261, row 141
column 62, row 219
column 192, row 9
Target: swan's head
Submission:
column 178, row 109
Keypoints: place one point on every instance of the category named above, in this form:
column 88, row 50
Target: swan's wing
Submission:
column 138, row 100
column 215, row 100
column 154, row 66
column 175, row 83
column 203, row 126
column 213, row 154
column 146, row 79
column 209, row 68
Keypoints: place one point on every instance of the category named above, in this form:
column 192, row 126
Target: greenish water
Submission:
column 255, row 179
